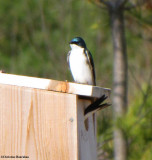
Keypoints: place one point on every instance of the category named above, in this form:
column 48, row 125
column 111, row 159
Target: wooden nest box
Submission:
column 43, row 119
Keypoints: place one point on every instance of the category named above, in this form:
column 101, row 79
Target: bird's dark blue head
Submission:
column 78, row 41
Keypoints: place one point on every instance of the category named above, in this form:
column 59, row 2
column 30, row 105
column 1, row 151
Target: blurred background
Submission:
column 34, row 41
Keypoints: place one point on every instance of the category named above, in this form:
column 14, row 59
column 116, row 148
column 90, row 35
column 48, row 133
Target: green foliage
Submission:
column 137, row 126
column 34, row 38
column 35, row 34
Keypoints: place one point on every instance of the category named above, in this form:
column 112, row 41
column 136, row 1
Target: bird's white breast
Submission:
column 80, row 69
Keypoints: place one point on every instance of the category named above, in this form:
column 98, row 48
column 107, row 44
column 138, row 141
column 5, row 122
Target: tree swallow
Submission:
column 82, row 68
column 81, row 62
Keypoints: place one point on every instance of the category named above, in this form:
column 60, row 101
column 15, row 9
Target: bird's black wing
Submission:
column 91, row 63
column 95, row 106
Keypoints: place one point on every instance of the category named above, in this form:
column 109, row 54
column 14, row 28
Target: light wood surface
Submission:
column 54, row 85
column 37, row 123
column 87, row 136
column 43, row 119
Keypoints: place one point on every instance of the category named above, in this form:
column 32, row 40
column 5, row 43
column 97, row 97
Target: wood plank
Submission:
column 54, row 85
column 37, row 123
column 87, row 135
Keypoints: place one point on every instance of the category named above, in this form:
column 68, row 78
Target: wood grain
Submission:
column 54, row 85
column 37, row 123
column 87, row 136
column 43, row 119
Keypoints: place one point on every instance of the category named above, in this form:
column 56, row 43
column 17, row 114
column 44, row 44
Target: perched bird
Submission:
column 82, row 68
column 81, row 62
